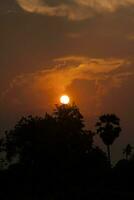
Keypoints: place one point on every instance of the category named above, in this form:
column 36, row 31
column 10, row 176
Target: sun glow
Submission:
column 64, row 99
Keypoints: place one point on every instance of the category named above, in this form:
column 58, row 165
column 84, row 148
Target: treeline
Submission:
column 54, row 157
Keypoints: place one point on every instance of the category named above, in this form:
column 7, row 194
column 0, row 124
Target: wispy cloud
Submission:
column 74, row 10
column 46, row 85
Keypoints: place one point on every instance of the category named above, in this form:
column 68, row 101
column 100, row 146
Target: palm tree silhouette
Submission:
column 108, row 128
column 127, row 151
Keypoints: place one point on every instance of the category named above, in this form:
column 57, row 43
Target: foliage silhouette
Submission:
column 55, row 149
column 54, row 157
column 108, row 128
column 34, row 136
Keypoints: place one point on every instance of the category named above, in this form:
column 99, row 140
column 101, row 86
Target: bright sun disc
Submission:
column 64, row 99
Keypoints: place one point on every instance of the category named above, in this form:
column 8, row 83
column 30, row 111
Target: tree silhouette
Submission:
column 61, row 135
column 127, row 151
column 71, row 126
column 30, row 138
column 108, row 128
column 54, row 154
column 69, row 116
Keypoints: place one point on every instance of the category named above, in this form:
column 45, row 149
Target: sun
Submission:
column 64, row 99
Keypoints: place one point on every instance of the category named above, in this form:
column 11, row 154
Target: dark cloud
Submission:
column 74, row 9
column 9, row 6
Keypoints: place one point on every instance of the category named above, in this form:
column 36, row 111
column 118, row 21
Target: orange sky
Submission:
column 83, row 48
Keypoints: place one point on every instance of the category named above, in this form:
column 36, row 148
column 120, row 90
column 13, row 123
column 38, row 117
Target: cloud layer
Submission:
column 44, row 87
column 74, row 9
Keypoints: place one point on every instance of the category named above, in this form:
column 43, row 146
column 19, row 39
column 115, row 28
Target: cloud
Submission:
column 130, row 37
column 42, row 88
column 75, row 9
column 86, row 80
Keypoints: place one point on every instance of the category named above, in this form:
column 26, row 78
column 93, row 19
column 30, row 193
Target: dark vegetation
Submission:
column 54, row 158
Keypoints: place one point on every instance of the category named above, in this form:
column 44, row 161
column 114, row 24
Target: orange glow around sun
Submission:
column 64, row 99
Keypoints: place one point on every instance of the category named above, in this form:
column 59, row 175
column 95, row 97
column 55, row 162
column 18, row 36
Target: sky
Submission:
column 83, row 48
